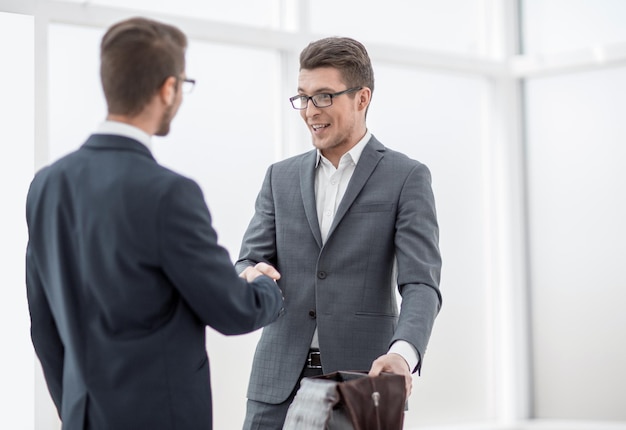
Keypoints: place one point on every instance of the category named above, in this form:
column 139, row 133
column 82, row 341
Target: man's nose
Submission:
column 311, row 109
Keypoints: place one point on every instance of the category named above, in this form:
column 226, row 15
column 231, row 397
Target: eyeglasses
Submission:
column 187, row 84
column 323, row 100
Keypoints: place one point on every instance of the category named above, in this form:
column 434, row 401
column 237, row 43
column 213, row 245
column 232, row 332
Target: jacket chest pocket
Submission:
column 372, row 207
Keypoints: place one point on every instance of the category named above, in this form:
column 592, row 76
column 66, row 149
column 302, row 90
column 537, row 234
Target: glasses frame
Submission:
column 187, row 84
column 304, row 105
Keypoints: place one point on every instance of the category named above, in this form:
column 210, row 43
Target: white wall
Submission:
column 577, row 202
column 17, row 364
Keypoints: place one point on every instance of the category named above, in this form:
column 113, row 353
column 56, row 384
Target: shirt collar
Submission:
column 121, row 129
column 354, row 153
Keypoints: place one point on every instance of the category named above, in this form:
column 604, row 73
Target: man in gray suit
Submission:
column 344, row 224
column 123, row 268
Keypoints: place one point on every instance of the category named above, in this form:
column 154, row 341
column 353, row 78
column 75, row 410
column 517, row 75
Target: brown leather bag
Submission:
column 348, row 400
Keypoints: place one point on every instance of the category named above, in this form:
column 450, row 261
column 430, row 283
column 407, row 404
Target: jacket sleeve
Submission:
column 44, row 334
column 259, row 240
column 202, row 271
column 419, row 260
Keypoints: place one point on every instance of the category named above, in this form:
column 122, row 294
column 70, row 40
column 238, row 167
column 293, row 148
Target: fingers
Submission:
column 409, row 385
column 393, row 363
column 268, row 270
column 377, row 366
column 251, row 273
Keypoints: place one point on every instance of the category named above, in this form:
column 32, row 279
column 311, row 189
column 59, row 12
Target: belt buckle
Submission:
column 309, row 361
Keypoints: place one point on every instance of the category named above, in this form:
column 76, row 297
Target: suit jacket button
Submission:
column 312, row 313
column 321, row 275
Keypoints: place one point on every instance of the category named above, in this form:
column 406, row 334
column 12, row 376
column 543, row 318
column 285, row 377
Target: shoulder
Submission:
column 55, row 171
column 293, row 165
column 296, row 160
column 172, row 185
column 396, row 160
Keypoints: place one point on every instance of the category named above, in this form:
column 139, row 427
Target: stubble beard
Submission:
column 166, row 120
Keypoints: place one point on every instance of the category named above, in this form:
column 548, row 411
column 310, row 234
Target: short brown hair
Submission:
column 343, row 53
column 136, row 56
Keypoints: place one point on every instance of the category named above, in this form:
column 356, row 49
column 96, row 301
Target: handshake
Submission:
column 252, row 272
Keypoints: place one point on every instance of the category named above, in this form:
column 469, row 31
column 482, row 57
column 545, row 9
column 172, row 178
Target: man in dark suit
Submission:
column 344, row 224
column 124, row 271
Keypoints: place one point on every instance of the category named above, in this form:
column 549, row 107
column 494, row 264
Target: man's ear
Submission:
column 167, row 92
column 364, row 97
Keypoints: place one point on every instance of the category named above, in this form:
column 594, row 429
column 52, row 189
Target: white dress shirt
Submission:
column 121, row 129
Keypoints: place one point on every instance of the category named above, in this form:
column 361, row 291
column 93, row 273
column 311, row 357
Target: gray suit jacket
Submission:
column 345, row 287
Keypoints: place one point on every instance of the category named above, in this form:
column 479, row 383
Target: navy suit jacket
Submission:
column 123, row 274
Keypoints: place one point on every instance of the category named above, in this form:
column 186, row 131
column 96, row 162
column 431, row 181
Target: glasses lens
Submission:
column 299, row 102
column 322, row 100
column 188, row 86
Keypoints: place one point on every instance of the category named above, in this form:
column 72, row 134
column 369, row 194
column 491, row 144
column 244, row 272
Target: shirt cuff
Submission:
column 406, row 350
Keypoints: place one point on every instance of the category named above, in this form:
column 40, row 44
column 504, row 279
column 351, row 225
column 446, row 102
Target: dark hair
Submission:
column 136, row 56
column 343, row 53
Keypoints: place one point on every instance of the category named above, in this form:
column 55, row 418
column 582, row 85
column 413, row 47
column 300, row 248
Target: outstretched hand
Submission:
column 251, row 273
column 393, row 363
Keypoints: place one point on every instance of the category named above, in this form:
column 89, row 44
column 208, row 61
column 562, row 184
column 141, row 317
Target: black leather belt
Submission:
column 314, row 361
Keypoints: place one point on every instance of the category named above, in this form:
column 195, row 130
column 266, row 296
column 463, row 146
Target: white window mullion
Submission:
column 505, row 219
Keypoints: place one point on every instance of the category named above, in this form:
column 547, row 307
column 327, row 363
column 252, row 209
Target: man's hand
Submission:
column 251, row 273
column 393, row 363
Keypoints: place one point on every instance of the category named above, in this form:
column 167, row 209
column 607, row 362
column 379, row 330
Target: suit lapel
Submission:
column 372, row 154
column 307, row 188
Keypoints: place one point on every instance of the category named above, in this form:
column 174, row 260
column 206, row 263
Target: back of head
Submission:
column 136, row 56
column 343, row 53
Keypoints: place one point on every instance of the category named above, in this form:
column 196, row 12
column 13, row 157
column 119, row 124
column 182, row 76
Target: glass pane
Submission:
column 224, row 146
column 576, row 155
column 76, row 102
column 446, row 25
column 258, row 13
column 437, row 119
column 563, row 25
column 16, row 171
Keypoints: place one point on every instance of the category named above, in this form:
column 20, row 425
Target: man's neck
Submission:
column 135, row 121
